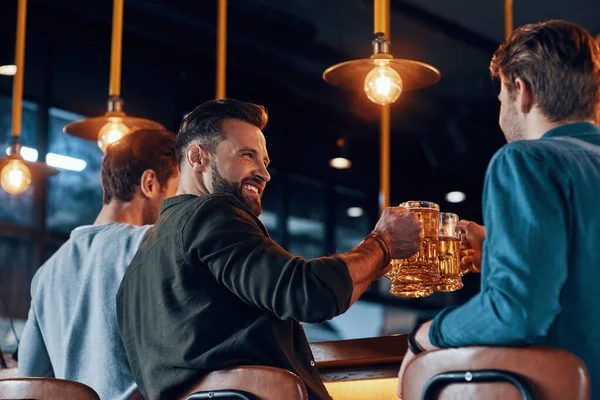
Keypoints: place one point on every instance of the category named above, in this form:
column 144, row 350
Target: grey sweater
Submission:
column 71, row 331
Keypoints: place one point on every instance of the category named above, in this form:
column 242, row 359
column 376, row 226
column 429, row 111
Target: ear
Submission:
column 149, row 184
column 197, row 157
column 524, row 95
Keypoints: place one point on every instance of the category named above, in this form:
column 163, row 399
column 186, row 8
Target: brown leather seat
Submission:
column 45, row 389
column 549, row 373
column 6, row 373
column 265, row 383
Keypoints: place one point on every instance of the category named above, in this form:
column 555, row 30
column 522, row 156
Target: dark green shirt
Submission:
column 209, row 289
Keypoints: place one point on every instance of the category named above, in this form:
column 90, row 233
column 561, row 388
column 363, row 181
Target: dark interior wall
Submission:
column 439, row 144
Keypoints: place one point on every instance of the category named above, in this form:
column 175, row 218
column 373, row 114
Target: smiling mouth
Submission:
column 255, row 191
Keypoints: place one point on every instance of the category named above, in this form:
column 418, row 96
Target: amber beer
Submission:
column 449, row 259
column 448, row 254
column 422, row 266
column 416, row 275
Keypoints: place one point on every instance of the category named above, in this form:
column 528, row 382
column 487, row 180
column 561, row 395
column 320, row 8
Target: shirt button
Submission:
column 312, row 363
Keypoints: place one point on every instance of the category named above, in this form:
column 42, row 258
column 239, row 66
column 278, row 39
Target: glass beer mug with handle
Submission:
column 416, row 275
column 448, row 254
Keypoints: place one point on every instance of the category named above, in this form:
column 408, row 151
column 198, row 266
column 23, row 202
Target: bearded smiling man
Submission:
column 249, row 189
column 210, row 290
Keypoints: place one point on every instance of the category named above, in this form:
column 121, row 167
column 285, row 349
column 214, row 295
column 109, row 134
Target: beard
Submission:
column 509, row 123
column 222, row 185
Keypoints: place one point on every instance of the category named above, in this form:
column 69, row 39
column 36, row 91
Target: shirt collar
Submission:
column 574, row 129
column 173, row 201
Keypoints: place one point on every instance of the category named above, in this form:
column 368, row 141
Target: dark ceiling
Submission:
column 442, row 137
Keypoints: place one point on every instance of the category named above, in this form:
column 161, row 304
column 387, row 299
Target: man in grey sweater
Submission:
column 71, row 331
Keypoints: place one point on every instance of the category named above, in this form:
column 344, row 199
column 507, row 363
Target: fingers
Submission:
column 471, row 262
column 468, row 252
column 394, row 210
column 472, row 235
column 387, row 269
column 464, row 244
column 381, row 273
column 463, row 224
column 401, row 230
column 468, row 260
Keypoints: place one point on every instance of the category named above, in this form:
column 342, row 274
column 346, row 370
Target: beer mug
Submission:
column 403, row 288
column 448, row 254
column 416, row 275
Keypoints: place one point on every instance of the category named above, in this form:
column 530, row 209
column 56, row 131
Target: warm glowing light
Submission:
column 340, row 163
column 455, row 197
column 8, row 69
column 383, row 85
column 380, row 388
column 355, row 212
column 15, row 177
column 113, row 131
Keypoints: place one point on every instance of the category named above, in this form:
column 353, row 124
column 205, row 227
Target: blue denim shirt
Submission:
column 540, row 278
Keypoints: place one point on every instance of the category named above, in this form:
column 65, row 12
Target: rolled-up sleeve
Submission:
column 242, row 257
column 525, row 257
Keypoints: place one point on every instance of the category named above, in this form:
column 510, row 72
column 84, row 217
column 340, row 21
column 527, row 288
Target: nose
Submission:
column 263, row 174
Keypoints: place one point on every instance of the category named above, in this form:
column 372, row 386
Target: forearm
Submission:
column 490, row 318
column 358, row 290
column 365, row 263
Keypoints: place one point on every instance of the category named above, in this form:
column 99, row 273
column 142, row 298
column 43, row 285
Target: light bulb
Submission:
column 113, row 131
column 383, row 85
column 355, row 212
column 455, row 197
column 340, row 163
column 15, row 177
column 8, row 69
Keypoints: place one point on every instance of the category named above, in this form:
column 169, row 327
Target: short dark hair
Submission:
column 126, row 160
column 560, row 61
column 203, row 125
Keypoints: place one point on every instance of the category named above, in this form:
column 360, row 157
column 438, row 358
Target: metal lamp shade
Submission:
column 351, row 75
column 88, row 128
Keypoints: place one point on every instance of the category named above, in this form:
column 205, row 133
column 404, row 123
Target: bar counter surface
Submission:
column 361, row 368
column 352, row 369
